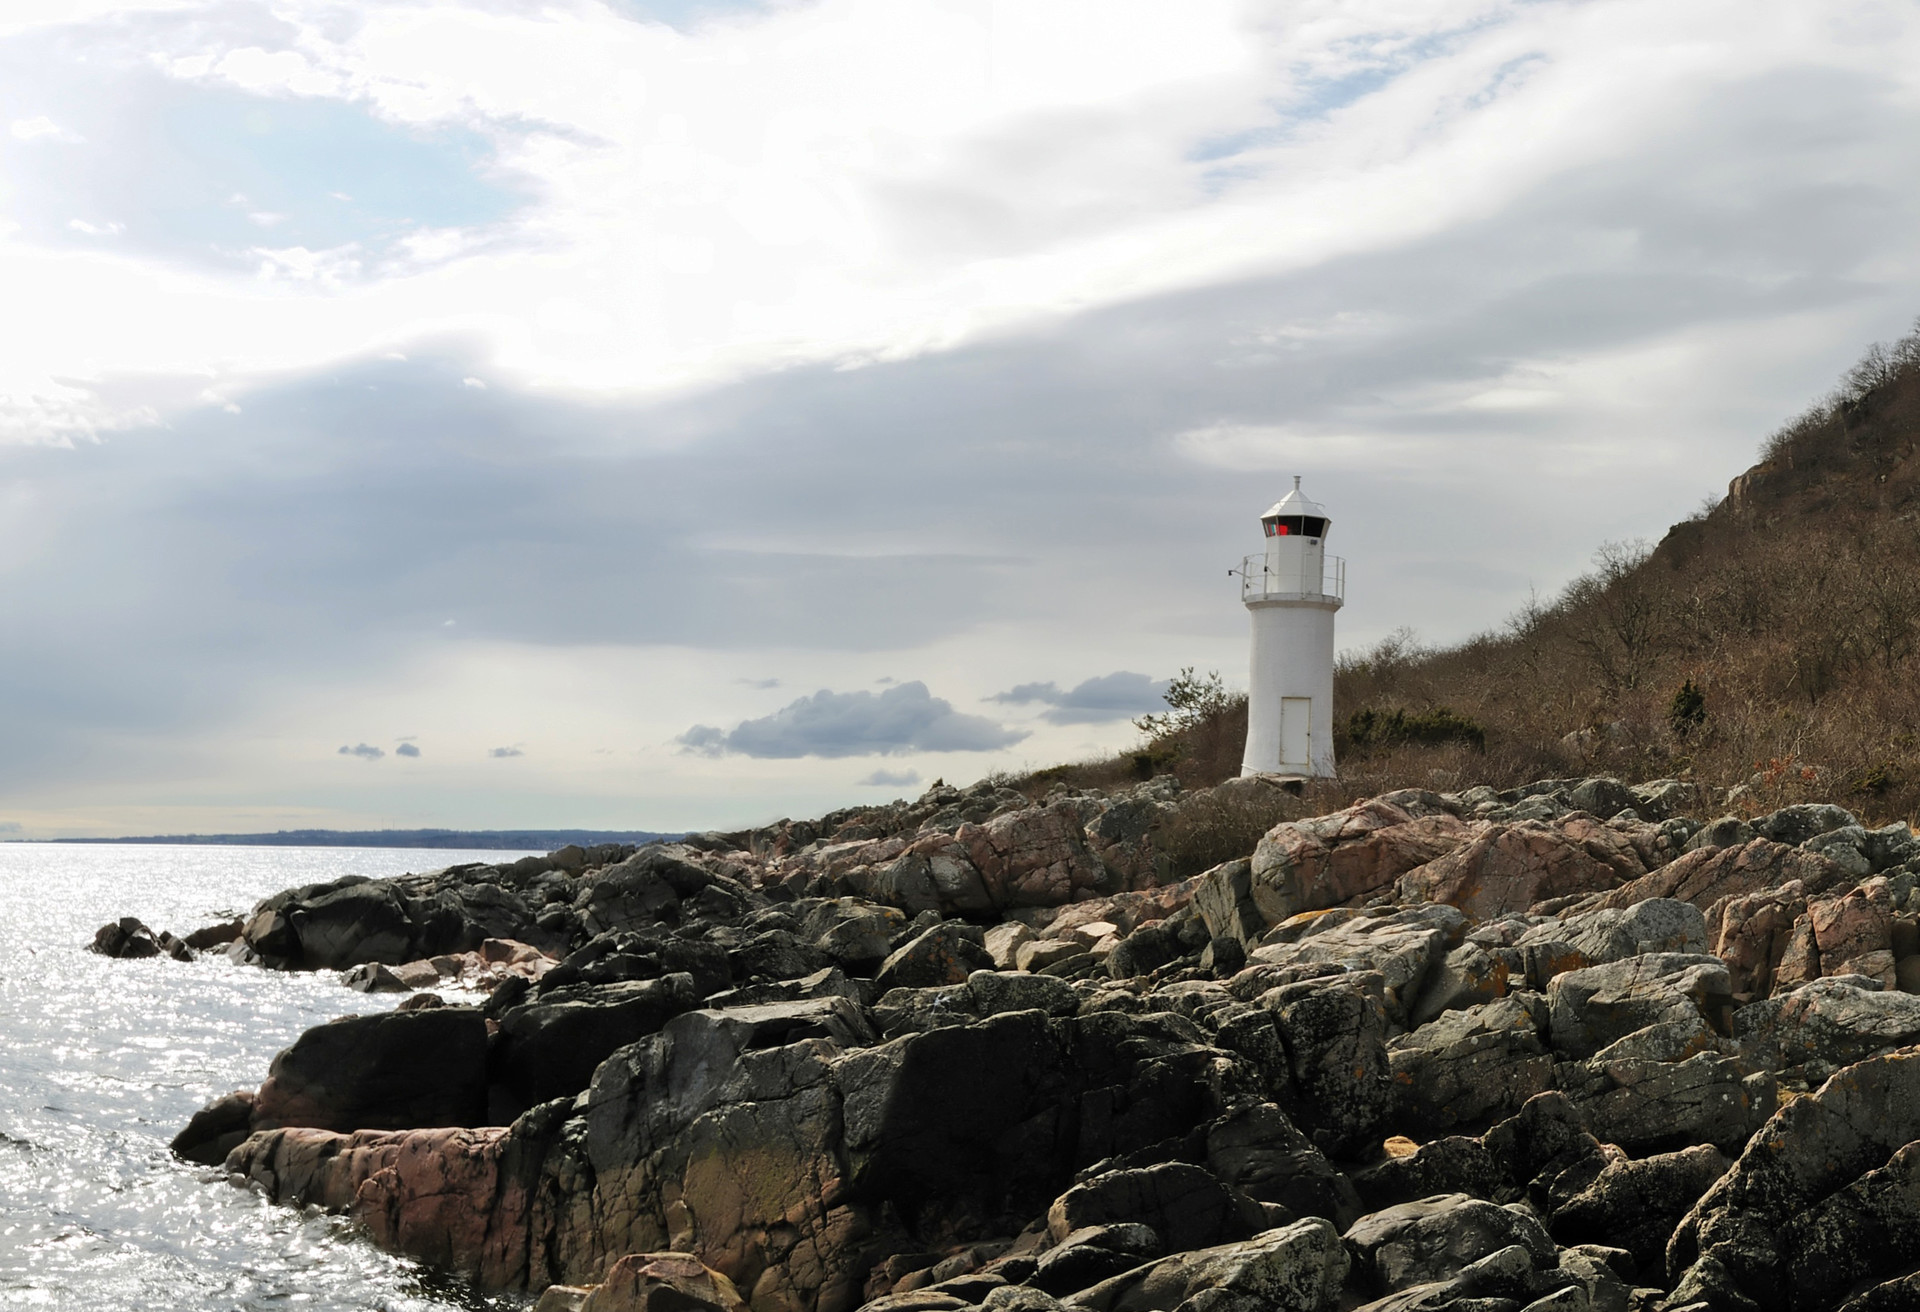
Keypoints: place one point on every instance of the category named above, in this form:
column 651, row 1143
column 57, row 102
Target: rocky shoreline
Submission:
column 1555, row 1048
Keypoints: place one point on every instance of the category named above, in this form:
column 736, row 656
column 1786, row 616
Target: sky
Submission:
column 677, row 414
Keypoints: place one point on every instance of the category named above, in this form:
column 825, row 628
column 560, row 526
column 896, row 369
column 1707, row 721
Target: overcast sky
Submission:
column 677, row 413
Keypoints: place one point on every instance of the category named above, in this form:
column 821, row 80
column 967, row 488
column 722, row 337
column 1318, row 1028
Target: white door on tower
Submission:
column 1296, row 731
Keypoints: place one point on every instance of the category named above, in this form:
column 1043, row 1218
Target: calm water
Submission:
column 102, row 1062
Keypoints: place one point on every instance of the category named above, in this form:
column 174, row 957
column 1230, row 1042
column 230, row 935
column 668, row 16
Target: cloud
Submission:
column 42, row 128
column 761, row 684
column 890, row 779
column 406, row 749
column 1117, row 696
column 11, row 827
column 500, row 753
column 904, row 718
column 365, row 751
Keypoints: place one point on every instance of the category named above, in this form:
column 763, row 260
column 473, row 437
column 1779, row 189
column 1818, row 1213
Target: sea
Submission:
column 102, row 1062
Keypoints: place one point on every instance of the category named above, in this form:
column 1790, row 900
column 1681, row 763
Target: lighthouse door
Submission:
column 1296, row 734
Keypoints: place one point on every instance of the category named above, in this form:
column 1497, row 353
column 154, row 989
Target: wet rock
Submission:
column 216, row 1129
column 127, row 938
column 398, row 1070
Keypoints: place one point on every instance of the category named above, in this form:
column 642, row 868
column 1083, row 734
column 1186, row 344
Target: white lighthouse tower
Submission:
column 1292, row 590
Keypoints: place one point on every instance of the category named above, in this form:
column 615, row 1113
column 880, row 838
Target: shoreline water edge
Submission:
column 1553, row 1048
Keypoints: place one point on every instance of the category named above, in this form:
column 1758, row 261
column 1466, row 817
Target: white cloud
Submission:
column 858, row 180
column 86, row 229
column 42, row 128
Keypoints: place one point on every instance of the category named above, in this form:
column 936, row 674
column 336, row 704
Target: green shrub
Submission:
column 1687, row 711
column 1369, row 728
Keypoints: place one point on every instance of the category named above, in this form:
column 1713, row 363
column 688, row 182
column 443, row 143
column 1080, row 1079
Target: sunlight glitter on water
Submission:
column 102, row 1062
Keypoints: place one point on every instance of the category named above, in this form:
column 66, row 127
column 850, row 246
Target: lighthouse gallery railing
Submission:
column 1258, row 584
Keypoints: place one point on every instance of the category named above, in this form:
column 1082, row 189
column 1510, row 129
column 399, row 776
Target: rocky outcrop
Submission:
column 1554, row 1048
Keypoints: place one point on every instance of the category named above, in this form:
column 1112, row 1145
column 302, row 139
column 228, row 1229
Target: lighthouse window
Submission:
column 1287, row 526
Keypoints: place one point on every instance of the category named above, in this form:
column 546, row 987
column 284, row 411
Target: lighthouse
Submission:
column 1292, row 590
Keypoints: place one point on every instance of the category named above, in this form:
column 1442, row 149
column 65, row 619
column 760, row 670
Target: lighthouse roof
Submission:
column 1295, row 503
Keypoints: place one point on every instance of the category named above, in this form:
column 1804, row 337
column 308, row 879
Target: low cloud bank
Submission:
column 903, row 718
column 1117, row 696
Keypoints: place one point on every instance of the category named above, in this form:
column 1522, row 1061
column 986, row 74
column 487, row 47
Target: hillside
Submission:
column 1767, row 644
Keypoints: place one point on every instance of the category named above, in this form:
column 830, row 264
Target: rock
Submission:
column 398, row 1070
column 1589, row 1009
column 1727, row 831
column 1705, row 876
column 1809, row 1207
column 944, row 954
column 216, row 1129
column 1342, row 1080
column 1304, row 865
column 1224, row 900
column 1255, row 1149
column 1473, row 1066
column 213, row 936
column 1004, row 940
column 1636, row 1204
column 1755, row 932
column 1297, row 1268
column 1854, row 932
column 997, row 991
column 1652, row 1104
column 1616, row 933
column 549, row 1048
column 663, row 1282
column 1088, row 1256
column 1603, row 798
column 1451, row 1165
column 126, row 939
column 1435, row 1238
column 1183, row 1204
column 1039, row 954
column 347, row 926
column 1814, row 1030
column 1034, row 858
column 1510, row 867
column 1794, row 825
column 1402, row 947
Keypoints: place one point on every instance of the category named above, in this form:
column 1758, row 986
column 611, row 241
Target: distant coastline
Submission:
column 499, row 840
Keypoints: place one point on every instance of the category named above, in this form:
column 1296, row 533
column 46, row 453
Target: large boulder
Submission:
column 397, row 1070
column 1435, row 1238
column 1510, row 867
column 548, row 1048
column 1636, row 1204
column 1591, row 1008
column 1472, row 1066
column 1402, row 946
column 1297, row 1268
column 1811, row 1032
column 1708, row 875
column 1304, row 865
column 1035, row 858
column 1183, row 1204
column 1822, row 1198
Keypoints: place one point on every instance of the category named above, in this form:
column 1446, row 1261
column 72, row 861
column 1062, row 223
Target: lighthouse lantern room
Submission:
column 1292, row 590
